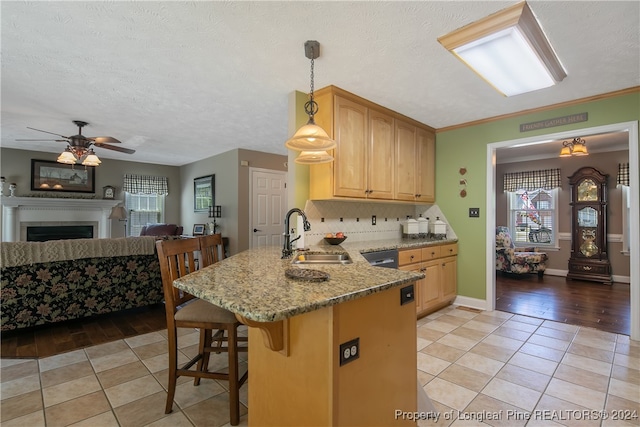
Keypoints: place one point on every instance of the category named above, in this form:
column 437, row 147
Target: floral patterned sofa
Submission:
column 53, row 281
column 510, row 259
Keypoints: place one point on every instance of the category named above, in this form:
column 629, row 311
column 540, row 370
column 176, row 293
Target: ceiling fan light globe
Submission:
column 91, row 160
column 67, row 157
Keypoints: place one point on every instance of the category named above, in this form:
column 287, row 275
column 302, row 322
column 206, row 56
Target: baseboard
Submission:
column 555, row 272
column 621, row 279
column 476, row 303
column 563, row 273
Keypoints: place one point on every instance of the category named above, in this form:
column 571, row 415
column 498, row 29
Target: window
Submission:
column 144, row 200
column 143, row 209
column 532, row 201
column 532, row 216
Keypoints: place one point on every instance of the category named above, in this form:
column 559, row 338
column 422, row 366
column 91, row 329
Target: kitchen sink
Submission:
column 323, row 259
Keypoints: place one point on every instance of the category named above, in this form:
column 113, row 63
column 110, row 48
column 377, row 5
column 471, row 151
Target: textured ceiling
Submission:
column 182, row 81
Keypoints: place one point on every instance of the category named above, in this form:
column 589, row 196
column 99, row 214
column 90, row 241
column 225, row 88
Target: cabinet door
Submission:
column 431, row 286
column 351, row 123
column 449, row 278
column 380, row 156
column 420, row 283
column 405, row 161
column 426, row 166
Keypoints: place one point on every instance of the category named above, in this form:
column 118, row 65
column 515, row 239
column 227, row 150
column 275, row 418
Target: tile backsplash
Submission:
column 354, row 219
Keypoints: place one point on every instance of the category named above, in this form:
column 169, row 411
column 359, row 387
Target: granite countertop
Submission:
column 253, row 284
column 390, row 244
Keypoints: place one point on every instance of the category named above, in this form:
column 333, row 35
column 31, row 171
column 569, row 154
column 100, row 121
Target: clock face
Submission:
column 587, row 191
column 108, row 193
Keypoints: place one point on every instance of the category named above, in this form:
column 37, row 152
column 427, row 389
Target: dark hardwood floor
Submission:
column 48, row 340
column 576, row 302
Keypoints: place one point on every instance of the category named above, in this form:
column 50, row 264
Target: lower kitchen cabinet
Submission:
column 439, row 265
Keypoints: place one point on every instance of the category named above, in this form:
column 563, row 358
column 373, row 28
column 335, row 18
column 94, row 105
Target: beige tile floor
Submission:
column 478, row 368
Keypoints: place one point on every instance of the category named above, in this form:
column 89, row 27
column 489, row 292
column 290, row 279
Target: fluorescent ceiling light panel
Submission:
column 509, row 50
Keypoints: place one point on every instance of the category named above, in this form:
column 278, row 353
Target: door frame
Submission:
column 634, row 238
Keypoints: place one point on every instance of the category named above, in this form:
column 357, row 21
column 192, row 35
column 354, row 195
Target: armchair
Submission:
column 510, row 259
column 161, row 230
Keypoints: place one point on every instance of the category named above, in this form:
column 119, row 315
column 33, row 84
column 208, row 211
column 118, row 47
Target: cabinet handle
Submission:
column 586, row 267
column 418, row 195
column 411, row 257
column 433, row 253
column 423, row 269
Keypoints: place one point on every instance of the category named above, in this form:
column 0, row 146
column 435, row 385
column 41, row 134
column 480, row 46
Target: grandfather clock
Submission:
column 589, row 259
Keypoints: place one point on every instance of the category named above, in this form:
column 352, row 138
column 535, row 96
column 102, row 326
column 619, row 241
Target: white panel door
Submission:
column 268, row 207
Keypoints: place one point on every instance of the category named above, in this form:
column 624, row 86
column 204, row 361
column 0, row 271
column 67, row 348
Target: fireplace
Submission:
column 21, row 213
column 59, row 232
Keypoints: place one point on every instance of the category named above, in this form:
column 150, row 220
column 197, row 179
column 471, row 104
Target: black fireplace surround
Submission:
column 59, row 232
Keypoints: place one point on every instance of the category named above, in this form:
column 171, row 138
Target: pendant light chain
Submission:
column 311, row 106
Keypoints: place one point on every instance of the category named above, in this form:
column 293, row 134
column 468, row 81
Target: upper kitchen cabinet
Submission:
column 415, row 163
column 367, row 157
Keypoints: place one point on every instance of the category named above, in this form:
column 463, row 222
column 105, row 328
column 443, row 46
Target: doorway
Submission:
column 632, row 129
column 267, row 207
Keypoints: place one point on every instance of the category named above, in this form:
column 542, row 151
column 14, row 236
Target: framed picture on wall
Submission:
column 53, row 176
column 198, row 229
column 204, row 193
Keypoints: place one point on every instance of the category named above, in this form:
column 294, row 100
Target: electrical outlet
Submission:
column 340, row 219
column 474, row 212
column 407, row 295
column 373, row 220
column 349, row 351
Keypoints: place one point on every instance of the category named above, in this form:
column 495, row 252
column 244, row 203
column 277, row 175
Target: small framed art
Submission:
column 198, row 229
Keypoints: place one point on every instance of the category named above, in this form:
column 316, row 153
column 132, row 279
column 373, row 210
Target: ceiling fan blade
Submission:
column 104, row 140
column 53, row 140
column 116, row 148
column 39, row 130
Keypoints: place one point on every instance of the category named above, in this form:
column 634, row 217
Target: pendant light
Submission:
column 577, row 147
column 311, row 139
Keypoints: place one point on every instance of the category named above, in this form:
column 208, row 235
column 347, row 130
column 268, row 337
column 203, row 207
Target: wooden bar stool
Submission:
column 177, row 258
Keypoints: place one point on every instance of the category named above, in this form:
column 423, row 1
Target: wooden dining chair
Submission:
column 178, row 258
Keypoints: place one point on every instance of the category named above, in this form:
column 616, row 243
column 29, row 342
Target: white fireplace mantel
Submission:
column 17, row 211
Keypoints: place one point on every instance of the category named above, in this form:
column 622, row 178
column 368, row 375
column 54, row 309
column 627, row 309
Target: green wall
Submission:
column 467, row 147
column 298, row 173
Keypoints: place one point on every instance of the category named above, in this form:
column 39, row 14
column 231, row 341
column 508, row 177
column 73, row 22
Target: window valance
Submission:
column 623, row 174
column 137, row 184
column 547, row 179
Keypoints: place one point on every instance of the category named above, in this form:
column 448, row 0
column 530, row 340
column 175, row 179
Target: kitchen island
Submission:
column 334, row 352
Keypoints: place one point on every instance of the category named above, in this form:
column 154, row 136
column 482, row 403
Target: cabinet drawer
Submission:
column 593, row 268
column 409, row 256
column 430, row 252
column 449, row 250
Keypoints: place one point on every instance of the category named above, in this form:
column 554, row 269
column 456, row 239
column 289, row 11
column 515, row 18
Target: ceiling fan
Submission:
column 79, row 147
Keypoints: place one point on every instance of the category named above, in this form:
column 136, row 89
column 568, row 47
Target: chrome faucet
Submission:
column 286, row 250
